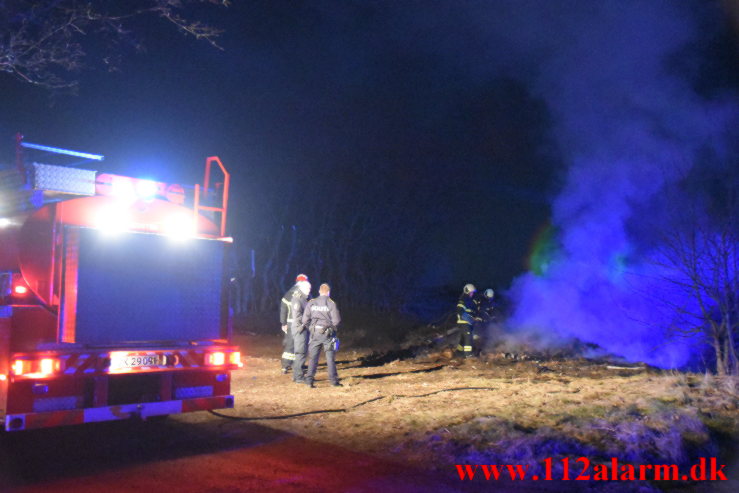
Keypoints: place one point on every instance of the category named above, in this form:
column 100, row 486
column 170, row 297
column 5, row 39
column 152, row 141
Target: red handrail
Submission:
column 223, row 209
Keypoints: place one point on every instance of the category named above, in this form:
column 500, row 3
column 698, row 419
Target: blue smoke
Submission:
column 630, row 127
column 618, row 78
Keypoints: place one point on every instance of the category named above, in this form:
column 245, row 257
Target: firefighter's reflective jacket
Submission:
column 466, row 310
column 286, row 309
column 299, row 302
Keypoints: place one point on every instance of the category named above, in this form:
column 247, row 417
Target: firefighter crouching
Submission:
column 467, row 310
column 286, row 320
column 321, row 317
column 300, row 333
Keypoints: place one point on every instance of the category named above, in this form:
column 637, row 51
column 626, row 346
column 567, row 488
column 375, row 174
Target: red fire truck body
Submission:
column 113, row 299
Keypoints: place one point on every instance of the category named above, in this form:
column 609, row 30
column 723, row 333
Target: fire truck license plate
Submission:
column 118, row 362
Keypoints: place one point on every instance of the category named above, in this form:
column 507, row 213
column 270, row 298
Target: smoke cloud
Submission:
column 629, row 126
column 618, row 78
column 610, row 86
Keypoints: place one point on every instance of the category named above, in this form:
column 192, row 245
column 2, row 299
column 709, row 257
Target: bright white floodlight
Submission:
column 112, row 220
column 124, row 189
column 146, row 189
column 179, row 226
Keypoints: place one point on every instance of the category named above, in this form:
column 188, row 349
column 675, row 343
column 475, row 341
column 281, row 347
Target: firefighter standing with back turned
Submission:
column 286, row 320
column 321, row 317
column 466, row 317
column 300, row 333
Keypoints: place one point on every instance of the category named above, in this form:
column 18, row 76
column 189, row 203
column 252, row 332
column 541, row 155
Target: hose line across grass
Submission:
column 344, row 409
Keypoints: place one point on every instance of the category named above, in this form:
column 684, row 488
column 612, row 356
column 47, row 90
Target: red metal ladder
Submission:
column 224, row 195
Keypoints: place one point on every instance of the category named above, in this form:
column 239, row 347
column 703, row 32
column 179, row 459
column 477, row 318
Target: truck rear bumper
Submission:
column 28, row 421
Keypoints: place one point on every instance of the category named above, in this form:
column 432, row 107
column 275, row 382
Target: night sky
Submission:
column 477, row 122
column 314, row 88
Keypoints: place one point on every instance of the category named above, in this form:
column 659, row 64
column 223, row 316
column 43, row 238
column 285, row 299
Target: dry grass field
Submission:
column 433, row 411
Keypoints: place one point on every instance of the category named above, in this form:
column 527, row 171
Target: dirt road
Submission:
column 200, row 457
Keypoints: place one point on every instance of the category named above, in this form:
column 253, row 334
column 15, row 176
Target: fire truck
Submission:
column 113, row 294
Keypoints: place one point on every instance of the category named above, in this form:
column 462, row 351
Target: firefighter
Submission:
column 286, row 320
column 486, row 307
column 467, row 315
column 321, row 317
column 300, row 333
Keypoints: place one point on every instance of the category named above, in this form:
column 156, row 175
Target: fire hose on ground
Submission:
column 345, row 409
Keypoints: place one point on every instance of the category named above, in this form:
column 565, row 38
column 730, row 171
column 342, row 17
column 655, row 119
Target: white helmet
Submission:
column 469, row 288
column 304, row 287
column 489, row 293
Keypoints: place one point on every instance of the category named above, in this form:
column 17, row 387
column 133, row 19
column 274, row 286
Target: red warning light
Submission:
column 20, row 289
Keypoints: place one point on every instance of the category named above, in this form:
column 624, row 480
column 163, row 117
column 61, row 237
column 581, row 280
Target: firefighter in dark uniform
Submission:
column 300, row 333
column 286, row 320
column 321, row 317
column 487, row 307
column 486, row 315
column 467, row 315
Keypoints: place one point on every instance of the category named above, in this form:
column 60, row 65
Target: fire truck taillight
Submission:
column 20, row 289
column 20, row 367
column 235, row 359
column 47, row 366
column 39, row 368
column 215, row 359
column 221, row 358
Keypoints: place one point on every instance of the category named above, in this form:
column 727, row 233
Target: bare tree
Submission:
column 42, row 42
column 699, row 261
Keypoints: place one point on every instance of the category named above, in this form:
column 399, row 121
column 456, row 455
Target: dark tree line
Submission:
column 364, row 232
